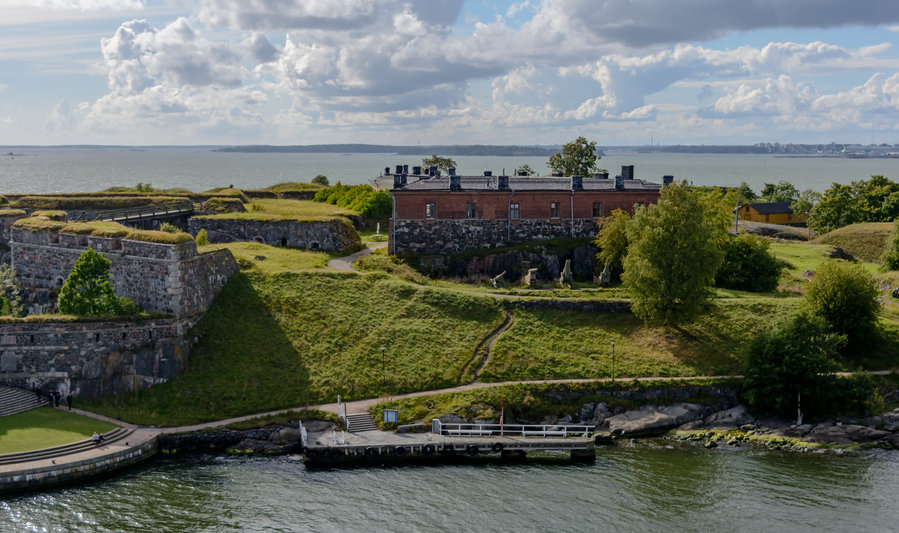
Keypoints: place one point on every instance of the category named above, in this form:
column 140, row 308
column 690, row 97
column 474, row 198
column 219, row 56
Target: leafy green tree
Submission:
column 784, row 191
column 442, row 163
column 890, row 258
column 878, row 199
column 576, row 158
column 321, row 179
column 672, row 257
column 202, row 237
column 792, row 365
column 10, row 302
column 525, row 170
column 87, row 290
column 805, row 203
column 838, row 207
column 845, row 295
column 612, row 240
column 744, row 194
column 748, row 266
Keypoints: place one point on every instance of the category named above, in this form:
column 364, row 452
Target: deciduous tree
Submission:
column 87, row 290
column 672, row 257
column 612, row 240
column 748, row 266
column 845, row 295
column 442, row 163
column 576, row 158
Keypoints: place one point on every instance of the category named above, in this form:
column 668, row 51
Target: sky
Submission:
column 620, row 72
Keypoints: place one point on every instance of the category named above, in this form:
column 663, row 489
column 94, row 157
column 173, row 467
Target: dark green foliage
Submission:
column 525, row 170
column 748, row 266
column 168, row 227
column 744, row 194
column 202, row 237
column 845, row 296
column 143, row 187
column 784, row 191
column 576, row 158
column 794, row 364
column 612, row 241
column 87, row 290
column 890, row 258
column 874, row 200
column 321, row 179
column 10, row 302
column 442, row 163
column 672, row 256
column 361, row 198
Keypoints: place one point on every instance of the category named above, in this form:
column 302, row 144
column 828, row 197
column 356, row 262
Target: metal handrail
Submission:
column 342, row 414
column 511, row 430
column 182, row 206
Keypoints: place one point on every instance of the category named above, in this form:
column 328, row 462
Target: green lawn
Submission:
column 275, row 209
column 865, row 241
column 271, row 259
column 45, row 428
column 544, row 344
column 280, row 340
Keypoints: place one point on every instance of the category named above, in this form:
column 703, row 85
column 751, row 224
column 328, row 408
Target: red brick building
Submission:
column 449, row 214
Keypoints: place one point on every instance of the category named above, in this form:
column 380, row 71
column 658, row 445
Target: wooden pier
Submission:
column 447, row 441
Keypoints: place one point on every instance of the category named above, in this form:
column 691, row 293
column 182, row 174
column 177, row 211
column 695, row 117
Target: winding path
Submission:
column 345, row 263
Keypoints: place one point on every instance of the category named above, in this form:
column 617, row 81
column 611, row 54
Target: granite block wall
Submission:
column 454, row 236
column 328, row 236
column 93, row 359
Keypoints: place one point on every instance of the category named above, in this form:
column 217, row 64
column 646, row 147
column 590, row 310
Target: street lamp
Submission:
column 383, row 367
column 613, row 361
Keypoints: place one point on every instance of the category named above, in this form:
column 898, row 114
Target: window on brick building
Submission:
column 554, row 210
column 514, row 211
column 472, row 211
column 597, row 210
column 429, row 210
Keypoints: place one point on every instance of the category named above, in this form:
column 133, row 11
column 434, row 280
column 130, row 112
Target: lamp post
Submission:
column 613, row 361
column 383, row 367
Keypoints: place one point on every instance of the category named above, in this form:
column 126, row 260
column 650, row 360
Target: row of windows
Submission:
column 514, row 210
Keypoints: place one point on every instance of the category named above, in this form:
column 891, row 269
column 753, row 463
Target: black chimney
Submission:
column 397, row 181
column 577, row 183
column 619, row 183
column 386, row 171
column 488, row 173
column 601, row 175
column 452, row 171
column 399, row 169
column 405, row 169
column 667, row 180
column 455, row 183
column 502, row 183
column 627, row 172
column 416, row 170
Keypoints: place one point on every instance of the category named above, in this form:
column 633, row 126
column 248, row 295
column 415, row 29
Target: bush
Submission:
column 890, row 258
column 748, row 266
column 321, row 179
column 168, row 227
column 845, row 295
column 87, row 290
column 791, row 367
column 612, row 240
column 361, row 198
column 202, row 238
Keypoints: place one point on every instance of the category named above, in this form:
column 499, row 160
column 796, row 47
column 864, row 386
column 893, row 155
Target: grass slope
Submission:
column 275, row 209
column 864, row 241
column 544, row 344
column 279, row 340
column 45, row 428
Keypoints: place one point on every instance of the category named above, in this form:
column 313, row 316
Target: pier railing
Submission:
column 510, row 430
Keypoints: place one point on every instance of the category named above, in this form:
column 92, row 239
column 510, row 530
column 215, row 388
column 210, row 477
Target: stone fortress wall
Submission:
column 327, row 235
column 93, row 359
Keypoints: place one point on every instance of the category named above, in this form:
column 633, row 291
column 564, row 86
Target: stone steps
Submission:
column 66, row 449
column 14, row 401
column 361, row 422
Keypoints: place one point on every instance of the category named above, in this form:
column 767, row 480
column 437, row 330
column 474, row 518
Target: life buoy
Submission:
column 427, row 449
column 429, row 404
column 371, row 452
column 497, row 447
column 399, row 451
column 472, row 449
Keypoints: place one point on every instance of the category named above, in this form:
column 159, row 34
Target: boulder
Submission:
column 641, row 422
column 682, row 412
column 864, row 433
column 829, row 435
column 585, row 413
column 317, row 426
column 731, row 418
column 286, row 435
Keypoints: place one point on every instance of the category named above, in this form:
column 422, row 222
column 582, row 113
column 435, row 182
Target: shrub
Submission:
column 168, row 227
column 748, row 266
column 845, row 295
column 10, row 301
column 791, row 367
column 202, row 238
column 361, row 198
column 87, row 290
column 890, row 258
column 612, row 240
column 321, row 179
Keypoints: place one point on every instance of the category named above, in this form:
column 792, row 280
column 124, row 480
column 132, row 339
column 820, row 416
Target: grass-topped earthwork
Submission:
column 279, row 340
column 45, row 428
column 864, row 241
column 93, row 202
column 271, row 259
column 270, row 209
column 283, row 419
column 102, row 229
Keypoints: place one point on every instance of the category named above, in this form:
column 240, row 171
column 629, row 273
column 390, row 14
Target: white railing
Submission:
column 510, row 430
column 342, row 414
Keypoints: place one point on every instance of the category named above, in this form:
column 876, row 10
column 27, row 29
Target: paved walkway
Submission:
column 345, row 264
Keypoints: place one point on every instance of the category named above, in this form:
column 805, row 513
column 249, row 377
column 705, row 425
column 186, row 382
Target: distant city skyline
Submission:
column 540, row 72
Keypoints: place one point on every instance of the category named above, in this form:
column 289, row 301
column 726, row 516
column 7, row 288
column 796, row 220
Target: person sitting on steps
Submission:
column 97, row 438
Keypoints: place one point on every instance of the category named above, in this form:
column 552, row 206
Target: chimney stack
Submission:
column 455, row 183
column 667, row 180
column 399, row 169
column 577, row 183
column 488, row 173
column 416, row 170
column 397, row 181
column 619, row 183
column 452, row 171
column 627, row 172
column 601, row 175
column 502, row 183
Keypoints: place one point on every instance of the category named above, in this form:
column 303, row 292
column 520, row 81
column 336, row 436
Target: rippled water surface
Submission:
column 47, row 170
column 642, row 487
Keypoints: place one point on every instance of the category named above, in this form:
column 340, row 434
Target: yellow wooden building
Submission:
column 771, row 213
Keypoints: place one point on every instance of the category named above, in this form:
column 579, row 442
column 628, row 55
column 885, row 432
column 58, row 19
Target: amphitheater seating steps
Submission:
column 14, row 401
column 115, row 435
